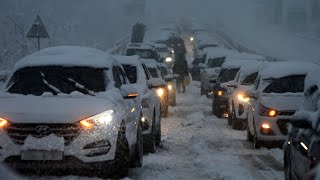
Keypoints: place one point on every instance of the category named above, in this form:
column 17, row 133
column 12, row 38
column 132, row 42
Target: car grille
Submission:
column 282, row 124
column 286, row 113
column 19, row 132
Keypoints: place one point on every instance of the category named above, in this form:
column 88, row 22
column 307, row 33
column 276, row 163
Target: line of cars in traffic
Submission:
column 76, row 109
column 277, row 103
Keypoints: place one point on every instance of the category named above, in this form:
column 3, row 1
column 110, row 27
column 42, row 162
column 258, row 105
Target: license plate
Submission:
column 223, row 106
column 41, row 155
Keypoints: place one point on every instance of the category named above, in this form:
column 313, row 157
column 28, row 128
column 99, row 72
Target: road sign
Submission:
column 38, row 30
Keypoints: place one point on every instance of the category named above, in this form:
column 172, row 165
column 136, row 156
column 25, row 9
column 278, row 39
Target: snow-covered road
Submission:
column 197, row 145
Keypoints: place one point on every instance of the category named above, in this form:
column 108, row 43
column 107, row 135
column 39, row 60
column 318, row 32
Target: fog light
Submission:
column 225, row 115
column 266, row 129
column 160, row 92
column 98, row 152
column 265, row 126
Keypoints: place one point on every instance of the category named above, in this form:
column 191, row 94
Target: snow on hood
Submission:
column 283, row 102
column 66, row 56
column 283, row 69
column 216, row 52
column 54, row 109
column 312, row 79
column 233, row 64
column 213, row 72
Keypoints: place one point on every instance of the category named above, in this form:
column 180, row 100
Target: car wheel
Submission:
column 137, row 159
column 235, row 122
column 149, row 144
column 122, row 158
column 249, row 135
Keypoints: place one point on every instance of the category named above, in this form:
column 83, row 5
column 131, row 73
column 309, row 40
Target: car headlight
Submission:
column 264, row 111
column 169, row 87
column 160, row 92
column 243, row 98
column 3, row 122
column 97, row 120
column 168, row 59
column 220, row 93
column 191, row 39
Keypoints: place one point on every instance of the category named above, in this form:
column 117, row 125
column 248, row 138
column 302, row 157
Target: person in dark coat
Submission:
column 180, row 67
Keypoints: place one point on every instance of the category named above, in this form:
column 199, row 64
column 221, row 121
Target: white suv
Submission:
column 70, row 109
column 277, row 94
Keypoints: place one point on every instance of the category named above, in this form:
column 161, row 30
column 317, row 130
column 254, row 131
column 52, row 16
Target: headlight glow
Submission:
column 191, row 39
column 220, row 93
column 97, row 120
column 160, row 92
column 241, row 97
column 172, row 51
column 3, row 122
column 169, row 87
column 168, row 59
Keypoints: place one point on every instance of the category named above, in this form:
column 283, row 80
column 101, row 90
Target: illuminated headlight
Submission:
column 172, row 51
column 160, row 92
column 3, row 123
column 101, row 119
column 191, row 39
column 168, row 59
column 169, row 87
column 241, row 97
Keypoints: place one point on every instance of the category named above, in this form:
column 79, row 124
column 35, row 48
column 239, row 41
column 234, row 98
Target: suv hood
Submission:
column 282, row 102
column 55, row 109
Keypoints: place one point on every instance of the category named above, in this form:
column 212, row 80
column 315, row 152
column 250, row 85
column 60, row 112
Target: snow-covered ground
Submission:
column 198, row 145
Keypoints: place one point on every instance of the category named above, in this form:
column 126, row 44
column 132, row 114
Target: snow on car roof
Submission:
column 244, row 56
column 234, row 64
column 312, row 79
column 67, row 56
column 282, row 69
column 250, row 68
column 215, row 52
column 150, row 63
column 129, row 60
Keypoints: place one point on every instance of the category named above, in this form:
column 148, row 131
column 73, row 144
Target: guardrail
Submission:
column 119, row 46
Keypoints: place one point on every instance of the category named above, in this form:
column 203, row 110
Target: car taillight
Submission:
column 264, row 111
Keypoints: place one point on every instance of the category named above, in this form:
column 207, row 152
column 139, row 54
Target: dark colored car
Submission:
column 302, row 149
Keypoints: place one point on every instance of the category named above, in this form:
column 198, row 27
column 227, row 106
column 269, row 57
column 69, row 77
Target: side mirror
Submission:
column 301, row 123
column 168, row 78
column 201, row 66
column 128, row 92
column 251, row 94
column 232, row 84
column 157, row 83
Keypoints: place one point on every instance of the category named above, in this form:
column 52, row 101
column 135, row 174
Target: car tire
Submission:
column 249, row 135
column 137, row 158
column 122, row 158
column 149, row 140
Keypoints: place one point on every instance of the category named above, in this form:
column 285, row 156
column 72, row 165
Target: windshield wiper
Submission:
column 50, row 86
column 82, row 87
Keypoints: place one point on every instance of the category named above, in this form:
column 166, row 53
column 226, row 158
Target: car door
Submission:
column 128, row 106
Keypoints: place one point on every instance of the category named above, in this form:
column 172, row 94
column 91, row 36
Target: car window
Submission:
column 122, row 75
column 249, row 80
column 198, row 61
column 146, row 71
column 131, row 72
column 216, row 62
column 153, row 72
column 116, row 77
column 56, row 79
column 164, row 71
column 289, row 84
column 227, row 75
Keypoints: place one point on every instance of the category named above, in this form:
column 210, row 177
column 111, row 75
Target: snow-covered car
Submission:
column 195, row 69
column 144, row 50
column 166, row 54
column 276, row 95
column 140, row 77
column 162, row 92
column 6, row 173
column 170, row 83
column 198, row 50
column 237, row 103
column 70, row 109
column 302, row 148
column 210, row 69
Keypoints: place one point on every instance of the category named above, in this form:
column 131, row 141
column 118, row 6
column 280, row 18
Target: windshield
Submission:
column 249, row 80
column 153, row 72
column 289, row 84
column 38, row 80
column 131, row 72
column 164, row 71
column 143, row 53
column 217, row 62
column 227, row 75
column 197, row 61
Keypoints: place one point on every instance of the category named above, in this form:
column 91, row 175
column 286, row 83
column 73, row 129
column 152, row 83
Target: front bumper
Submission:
column 278, row 127
column 80, row 147
column 221, row 104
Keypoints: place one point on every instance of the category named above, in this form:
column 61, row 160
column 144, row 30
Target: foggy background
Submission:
column 100, row 23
